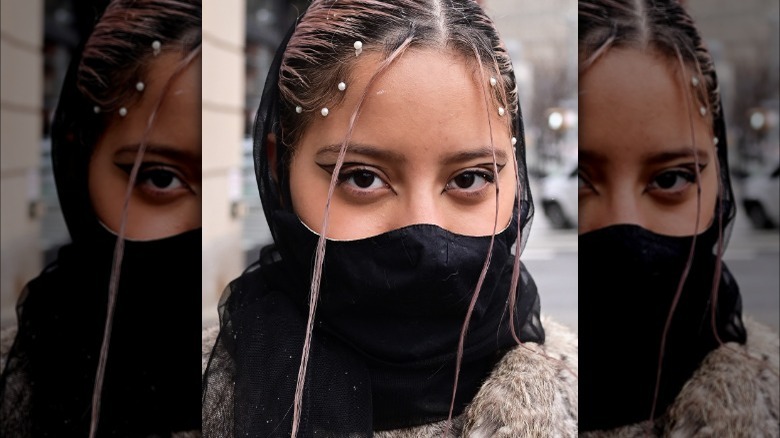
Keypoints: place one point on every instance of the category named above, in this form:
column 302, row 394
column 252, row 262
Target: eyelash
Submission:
column 685, row 171
column 147, row 171
column 583, row 182
column 348, row 173
column 488, row 176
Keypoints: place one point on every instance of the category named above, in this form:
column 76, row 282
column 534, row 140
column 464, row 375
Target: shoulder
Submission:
column 531, row 392
column 7, row 336
column 736, row 388
column 735, row 391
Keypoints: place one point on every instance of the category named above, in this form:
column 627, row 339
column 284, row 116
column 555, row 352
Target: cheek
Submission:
column 709, row 197
column 103, row 190
column 508, row 192
column 308, row 192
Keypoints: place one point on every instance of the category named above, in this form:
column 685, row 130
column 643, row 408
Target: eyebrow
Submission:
column 386, row 155
column 167, row 151
column 676, row 154
column 482, row 152
column 648, row 158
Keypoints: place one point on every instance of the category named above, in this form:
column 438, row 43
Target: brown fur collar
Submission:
column 729, row 395
column 526, row 395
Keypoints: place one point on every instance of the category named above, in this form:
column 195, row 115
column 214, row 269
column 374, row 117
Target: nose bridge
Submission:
column 420, row 207
column 618, row 203
column 623, row 206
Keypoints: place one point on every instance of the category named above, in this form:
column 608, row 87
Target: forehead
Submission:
column 425, row 98
column 638, row 101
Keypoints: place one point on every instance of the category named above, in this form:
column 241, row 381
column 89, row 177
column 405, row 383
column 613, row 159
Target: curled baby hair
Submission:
column 321, row 53
column 115, row 59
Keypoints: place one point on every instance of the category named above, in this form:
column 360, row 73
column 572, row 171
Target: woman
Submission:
column 126, row 155
column 665, row 350
column 389, row 303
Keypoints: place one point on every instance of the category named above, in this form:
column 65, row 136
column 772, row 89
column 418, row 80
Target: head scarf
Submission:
column 150, row 386
column 387, row 323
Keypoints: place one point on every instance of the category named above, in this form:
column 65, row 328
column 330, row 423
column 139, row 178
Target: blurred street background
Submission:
column 743, row 38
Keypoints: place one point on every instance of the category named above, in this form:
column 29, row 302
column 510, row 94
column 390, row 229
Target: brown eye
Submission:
column 161, row 179
column 470, row 181
column 464, row 180
column 673, row 180
column 363, row 180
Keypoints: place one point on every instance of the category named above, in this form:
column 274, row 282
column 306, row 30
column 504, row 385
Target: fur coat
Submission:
column 526, row 395
column 734, row 393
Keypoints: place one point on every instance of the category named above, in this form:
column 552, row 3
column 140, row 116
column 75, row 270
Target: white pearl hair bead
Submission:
column 703, row 111
column 140, row 86
column 514, row 141
column 342, row 86
column 358, row 48
column 96, row 109
column 694, row 81
column 493, row 82
column 298, row 109
column 715, row 141
column 156, row 47
column 123, row 111
column 324, row 112
column 501, row 111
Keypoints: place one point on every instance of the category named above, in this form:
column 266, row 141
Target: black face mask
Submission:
column 386, row 330
column 628, row 279
column 150, row 384
column 422, row 275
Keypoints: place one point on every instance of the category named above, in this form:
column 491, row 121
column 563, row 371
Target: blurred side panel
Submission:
column 21, row 122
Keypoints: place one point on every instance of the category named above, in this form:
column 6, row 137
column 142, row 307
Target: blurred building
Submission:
column 223, row 103
column 541, row 38
column 744, row 40
column 21, row 119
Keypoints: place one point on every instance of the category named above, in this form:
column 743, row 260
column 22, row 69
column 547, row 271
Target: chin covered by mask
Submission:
column 628, row 278
column 149, row 387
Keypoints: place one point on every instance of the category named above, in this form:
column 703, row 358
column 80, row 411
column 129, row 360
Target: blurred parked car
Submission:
column 559, row 192
column 761, row 198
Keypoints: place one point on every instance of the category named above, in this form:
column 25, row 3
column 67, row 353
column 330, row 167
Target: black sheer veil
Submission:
column 351, row 386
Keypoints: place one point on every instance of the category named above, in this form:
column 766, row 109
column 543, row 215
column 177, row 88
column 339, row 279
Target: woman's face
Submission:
column 420, row 153
column 166, row 198
column 635, row 149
